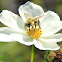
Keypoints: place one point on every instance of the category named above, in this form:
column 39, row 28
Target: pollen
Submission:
column 34, row 32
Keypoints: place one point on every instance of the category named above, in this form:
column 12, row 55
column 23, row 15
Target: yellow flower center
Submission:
column 34, row 32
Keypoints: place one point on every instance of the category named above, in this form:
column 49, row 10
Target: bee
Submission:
column 31, row 22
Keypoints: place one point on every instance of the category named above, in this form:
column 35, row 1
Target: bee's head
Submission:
column 28, row 24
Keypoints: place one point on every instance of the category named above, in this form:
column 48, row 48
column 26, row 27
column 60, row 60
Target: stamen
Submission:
column 34, row 33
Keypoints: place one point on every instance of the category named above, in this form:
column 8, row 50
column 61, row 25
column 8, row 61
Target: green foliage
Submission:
column 14, row 52
column 46, row 55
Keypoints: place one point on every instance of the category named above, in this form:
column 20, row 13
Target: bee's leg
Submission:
column 35, row 26
column 39, row 27
column 32, row 26
column 39, row 24
column 29, row 28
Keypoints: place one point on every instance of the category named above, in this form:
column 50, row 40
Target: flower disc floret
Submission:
column 34, row 33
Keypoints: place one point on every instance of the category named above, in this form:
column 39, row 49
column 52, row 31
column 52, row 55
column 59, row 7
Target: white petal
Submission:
column 22, row 38
column 5, row 38
column 31, row 9
column 42, row 45
column 52, row 38
column 52, row 28
column 50, row 23
column 11, row 20
column 5, row 34
column 7, row 30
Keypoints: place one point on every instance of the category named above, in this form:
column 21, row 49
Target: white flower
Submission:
column 15, row 31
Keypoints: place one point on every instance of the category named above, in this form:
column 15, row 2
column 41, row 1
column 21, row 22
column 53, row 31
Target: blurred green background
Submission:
column 14, row 51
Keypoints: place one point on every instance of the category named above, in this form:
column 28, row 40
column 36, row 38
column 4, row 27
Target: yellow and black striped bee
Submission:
column 32, row 22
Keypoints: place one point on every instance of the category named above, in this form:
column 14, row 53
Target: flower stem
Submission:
column 32, row 53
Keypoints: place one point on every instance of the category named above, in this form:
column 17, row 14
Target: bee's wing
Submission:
column 26, row 15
